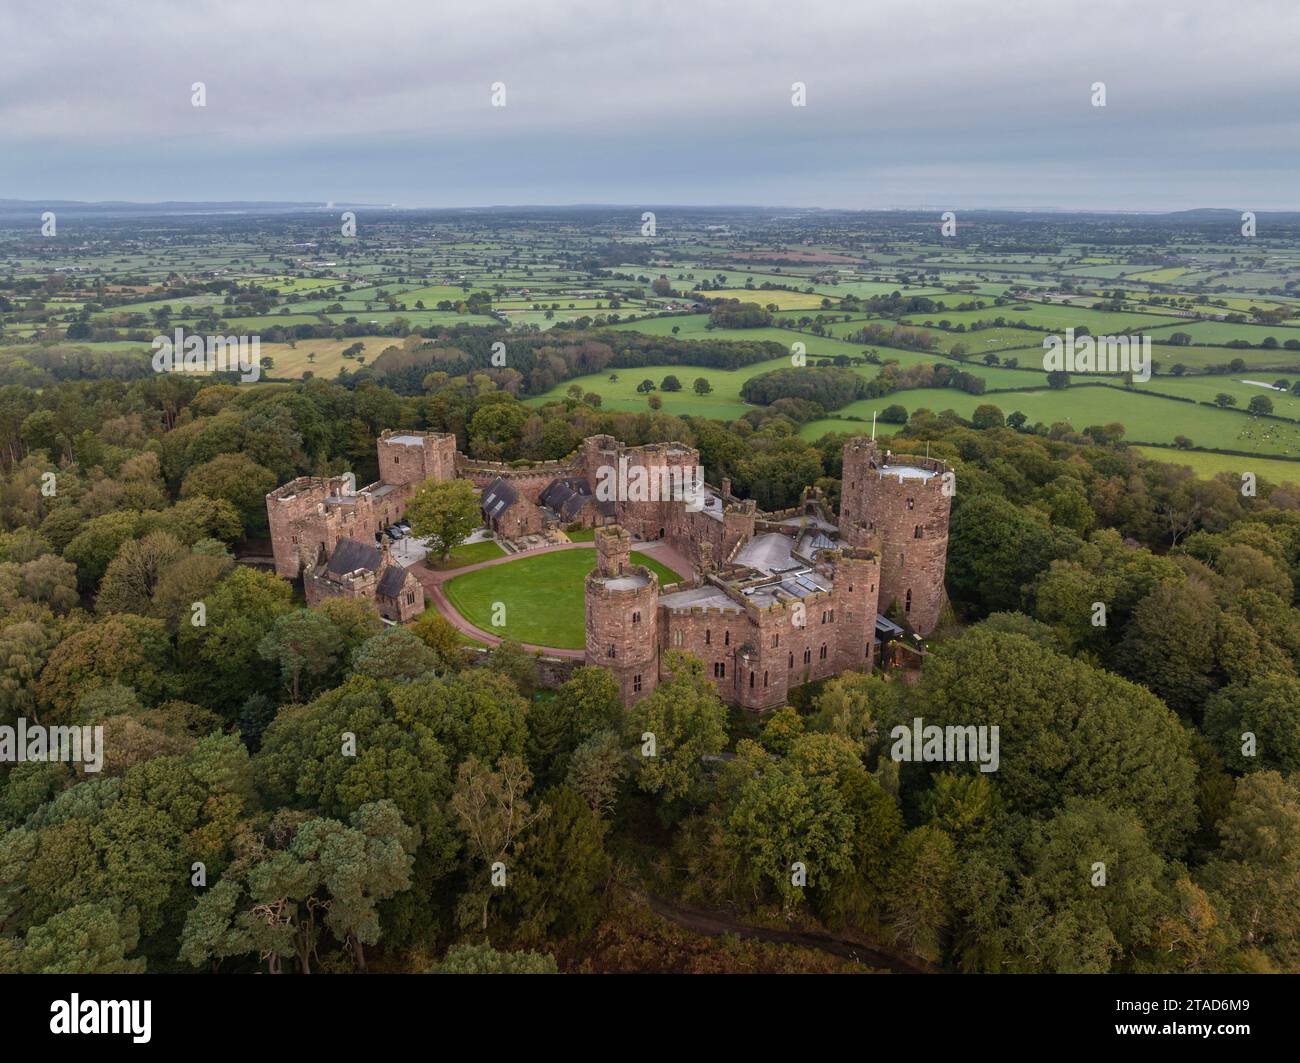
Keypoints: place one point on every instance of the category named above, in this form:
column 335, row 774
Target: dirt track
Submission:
column 714, row 924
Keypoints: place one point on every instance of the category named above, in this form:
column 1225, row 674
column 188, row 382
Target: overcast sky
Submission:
column 909, row 102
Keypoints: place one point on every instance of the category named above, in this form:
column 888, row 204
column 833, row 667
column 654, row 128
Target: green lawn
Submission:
column 542, row 595
column 468, row 554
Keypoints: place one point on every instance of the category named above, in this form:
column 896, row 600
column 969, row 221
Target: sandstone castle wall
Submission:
column 906, row 518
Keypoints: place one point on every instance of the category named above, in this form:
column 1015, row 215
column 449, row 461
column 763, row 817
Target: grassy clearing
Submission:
column 542, row 595
column 324, row 358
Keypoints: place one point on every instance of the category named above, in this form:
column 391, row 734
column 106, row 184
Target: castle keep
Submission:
column 775, row 600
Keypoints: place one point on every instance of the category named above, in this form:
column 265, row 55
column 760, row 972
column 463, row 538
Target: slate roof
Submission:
column 498, row 497
column 887, row 628
column 391, row 582
column 768, row 553
column 351, row 555
column 568, row 497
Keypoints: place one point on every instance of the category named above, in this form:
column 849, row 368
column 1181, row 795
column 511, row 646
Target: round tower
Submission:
column 899, row 505
column 622, row 615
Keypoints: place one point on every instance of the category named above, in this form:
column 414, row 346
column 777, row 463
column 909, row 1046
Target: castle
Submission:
column 775, row 599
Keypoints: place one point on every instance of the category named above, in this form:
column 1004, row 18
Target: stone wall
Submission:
column 408, row 604
column 304, row 523
column 551, row 671
column 713, row 635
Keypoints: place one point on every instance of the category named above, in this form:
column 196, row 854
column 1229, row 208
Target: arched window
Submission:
column 907, row 603
column 916, row 534
column 636, row 618
column 611, row 652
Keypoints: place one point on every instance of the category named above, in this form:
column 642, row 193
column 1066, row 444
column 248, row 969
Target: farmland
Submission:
column 329, row 307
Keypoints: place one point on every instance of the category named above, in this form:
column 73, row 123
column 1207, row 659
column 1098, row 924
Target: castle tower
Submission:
column 856, row 594
column 414, row 457
column 901, row 502
column 622, row 614
column 299, row 516
column 762, row 675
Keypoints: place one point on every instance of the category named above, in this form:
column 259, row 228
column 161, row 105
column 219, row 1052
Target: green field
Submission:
column 1207, row 465
column 1227, row 332
column 1048, row 318
column 723, row 402
column 542, row 595
column 1147, row 419
column 323, row 358
column 766, row 296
